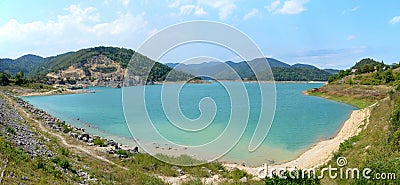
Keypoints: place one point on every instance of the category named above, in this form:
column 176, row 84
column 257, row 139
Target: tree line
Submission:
column 18, row 79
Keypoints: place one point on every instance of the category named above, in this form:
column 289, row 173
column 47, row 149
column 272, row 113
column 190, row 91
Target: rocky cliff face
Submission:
column 96, row 71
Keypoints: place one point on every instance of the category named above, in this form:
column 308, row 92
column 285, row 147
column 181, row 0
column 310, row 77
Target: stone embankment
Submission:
column 80, row 134
column 14, row 129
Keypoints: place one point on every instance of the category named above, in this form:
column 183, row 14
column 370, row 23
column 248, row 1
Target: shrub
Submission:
column 66, row 129
column 99, row 142
column 238, row 174
column 64, row 152
column 302, row 178
column 65, row 164
column 11, row 130
column 123, row 153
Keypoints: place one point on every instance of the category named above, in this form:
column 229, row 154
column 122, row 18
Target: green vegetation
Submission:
column 11, row 130
column 145, row 67
column 105, row 69
column 368, row 65
column 238, row 174
column 242, row 70
column 375, row 147
column 394, row 128
column 64, row 127
column 367, row 72
column 139, row 66
column 62, row 162
column 362, row 85
column 20, row 80
column 4, row 79
column 360, row 96
column 64, row 151
column 25, row 64
column 12, row 153
column 123, row 153
column 294, row 177
column 99, row 142
column 285, row 74
column 300, row 74
column 347, row 144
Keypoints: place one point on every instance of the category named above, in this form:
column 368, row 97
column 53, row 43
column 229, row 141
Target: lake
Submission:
column 299, row 121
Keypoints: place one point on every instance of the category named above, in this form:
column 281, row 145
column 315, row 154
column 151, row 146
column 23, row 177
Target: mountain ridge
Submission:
column 97, row 66
column 281, row 70
column 110, row 68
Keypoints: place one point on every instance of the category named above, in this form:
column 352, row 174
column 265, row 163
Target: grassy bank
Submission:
column 375, row 147
column 360, row 96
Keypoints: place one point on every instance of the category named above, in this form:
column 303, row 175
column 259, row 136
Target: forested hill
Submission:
column 107, row 66
column 25, row 64
column 101, row 66
column 281, row 71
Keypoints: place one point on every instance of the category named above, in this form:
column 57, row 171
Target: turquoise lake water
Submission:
column 299, row 122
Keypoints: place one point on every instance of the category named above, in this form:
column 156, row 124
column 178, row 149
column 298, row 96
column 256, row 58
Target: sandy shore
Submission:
column 56, row 92
column 321, row 152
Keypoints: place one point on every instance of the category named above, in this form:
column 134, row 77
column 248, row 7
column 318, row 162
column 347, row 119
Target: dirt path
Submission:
column 64, row 141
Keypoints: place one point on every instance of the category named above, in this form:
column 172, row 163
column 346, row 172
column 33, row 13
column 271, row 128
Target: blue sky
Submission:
column 328, row 34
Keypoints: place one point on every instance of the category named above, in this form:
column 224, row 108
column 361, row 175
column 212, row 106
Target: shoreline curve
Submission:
column 321, row 152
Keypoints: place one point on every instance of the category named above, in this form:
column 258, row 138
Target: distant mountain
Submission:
column 107, row 66
column 206, row 68
column 366, row 61
column 332, row 71
column 304, row 66
column 102, row 66
column 233, row 71
column 25, row 64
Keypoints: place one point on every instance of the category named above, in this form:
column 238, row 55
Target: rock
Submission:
column 243, row 179
column 179, row 170
column 12, row 175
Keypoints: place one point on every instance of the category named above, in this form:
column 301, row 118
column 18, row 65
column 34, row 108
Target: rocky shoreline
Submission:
column 57, row 125
column 15, row 130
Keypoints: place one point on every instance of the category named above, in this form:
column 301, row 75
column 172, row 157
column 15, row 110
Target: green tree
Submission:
column 388, row 76
column 4, row 79
column 19, row 78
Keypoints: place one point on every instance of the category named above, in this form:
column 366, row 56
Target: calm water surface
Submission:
column 300, row 121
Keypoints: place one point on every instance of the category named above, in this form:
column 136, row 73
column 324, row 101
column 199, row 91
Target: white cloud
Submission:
column 251, row 13
column 186, row 9
column 78, row 27
column 124, row 24
column 395, row 20
column 288, row 7
column 225, row 11
column 351, row 10
column 191, row 9
column 274, row 5
column 77, row 14
column 200, row 11
column 351, row 37
column 175, row 4
column 124, row 3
